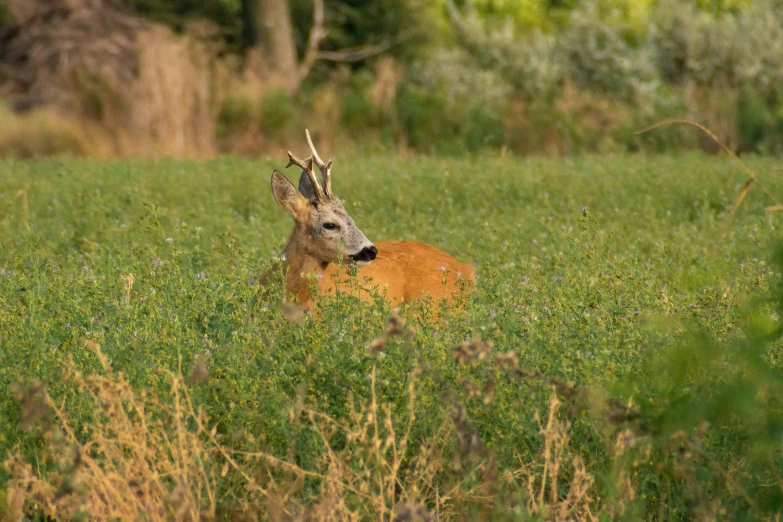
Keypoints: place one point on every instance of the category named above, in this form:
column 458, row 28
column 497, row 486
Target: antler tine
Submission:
column 325, row 168
column 293, row 160
column 307, row 168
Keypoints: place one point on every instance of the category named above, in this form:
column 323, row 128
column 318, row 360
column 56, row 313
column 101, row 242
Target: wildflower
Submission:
column 169, row 240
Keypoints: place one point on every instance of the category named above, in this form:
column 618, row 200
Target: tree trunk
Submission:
column 268, row 31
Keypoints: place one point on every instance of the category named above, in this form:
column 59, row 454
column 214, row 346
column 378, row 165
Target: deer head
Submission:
column 323, row 229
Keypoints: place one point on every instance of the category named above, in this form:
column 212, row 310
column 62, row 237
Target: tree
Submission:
column 268, row 30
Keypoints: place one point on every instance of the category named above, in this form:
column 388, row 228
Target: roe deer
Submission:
column 324, row 234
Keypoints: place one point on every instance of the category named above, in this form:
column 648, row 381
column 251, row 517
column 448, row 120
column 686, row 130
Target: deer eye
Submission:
column 330, row 226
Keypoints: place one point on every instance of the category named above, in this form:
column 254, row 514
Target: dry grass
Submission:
column 175, row 100
column 717, row 108
column 139, row 457
column 45, row 132
column 150, row 91
column 542, row 484
column 143, row 458
column 720, row 145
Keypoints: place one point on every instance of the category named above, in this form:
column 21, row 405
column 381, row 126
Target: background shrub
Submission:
column 600, row 57
column 488, row 74
column 276, row 111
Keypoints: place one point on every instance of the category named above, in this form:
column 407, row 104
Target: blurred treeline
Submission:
column 532, row 76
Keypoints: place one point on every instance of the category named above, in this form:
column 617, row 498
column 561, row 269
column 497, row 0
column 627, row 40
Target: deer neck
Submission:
column 299, row 263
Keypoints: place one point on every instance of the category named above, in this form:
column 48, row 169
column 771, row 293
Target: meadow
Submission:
column 619, row 360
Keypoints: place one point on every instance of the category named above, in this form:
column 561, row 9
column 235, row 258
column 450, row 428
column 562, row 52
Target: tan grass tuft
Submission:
column 174, row 100
column 137, row 459
column 128, row 280
column 45, row 132
column 541, row 479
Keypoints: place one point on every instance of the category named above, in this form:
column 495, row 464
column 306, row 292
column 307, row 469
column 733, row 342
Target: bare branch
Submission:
column 317, row 34
column 348, row 55
column 357, row 54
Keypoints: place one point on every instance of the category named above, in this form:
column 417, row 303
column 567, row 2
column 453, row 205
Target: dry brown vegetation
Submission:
column 141, row 457
column 97, row 66
column 43, row 132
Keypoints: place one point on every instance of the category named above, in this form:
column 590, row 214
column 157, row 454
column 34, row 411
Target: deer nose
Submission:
column 366, row 254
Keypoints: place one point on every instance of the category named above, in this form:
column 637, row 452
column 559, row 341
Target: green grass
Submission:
column 651, row 293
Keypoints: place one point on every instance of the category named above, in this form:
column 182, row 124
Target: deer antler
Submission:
column 307, row 168
column 325, row 168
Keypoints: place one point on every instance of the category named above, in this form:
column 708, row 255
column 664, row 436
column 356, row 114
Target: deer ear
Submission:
column 286, row 195
column 306, row 187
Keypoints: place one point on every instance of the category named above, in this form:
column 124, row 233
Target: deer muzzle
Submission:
column 365, row 255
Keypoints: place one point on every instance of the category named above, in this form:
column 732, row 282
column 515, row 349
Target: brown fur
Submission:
column 404, row 270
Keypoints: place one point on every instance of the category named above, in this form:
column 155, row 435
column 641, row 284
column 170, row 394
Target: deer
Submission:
column 325, row 238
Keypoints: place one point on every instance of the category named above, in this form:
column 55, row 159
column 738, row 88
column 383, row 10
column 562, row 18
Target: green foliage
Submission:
column 354, row 23
column 494, row 73
column 276, row 110
column 483, row 129
column 598, row 57
column 225, row 13
column 610, row 298
column 664, row 104
column 525, row 62
column 425, row 118
column 236, row 113
column 671, row 34
column 724, row 51
column 707, row 401
column 358, row 111
column 759, row 126
column 530, row 13
column 452, row 106
column 4, row 17
column 646, row 59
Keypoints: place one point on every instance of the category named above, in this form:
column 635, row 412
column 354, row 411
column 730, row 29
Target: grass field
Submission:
column 621, row 357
